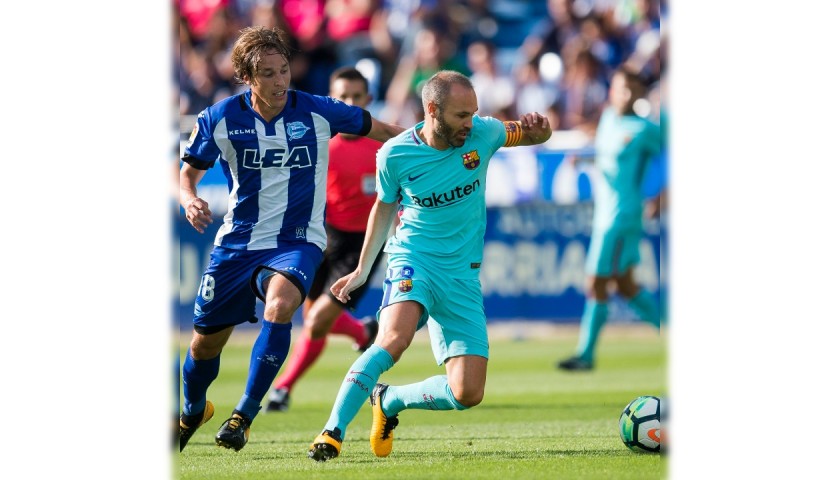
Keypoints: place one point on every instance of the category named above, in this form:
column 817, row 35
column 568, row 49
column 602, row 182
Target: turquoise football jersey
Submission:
column 442, row 196
column 624, row 146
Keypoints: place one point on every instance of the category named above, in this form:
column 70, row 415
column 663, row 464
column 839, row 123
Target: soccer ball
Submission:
column 639, row 425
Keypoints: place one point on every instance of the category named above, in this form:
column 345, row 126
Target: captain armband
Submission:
column 513, row 133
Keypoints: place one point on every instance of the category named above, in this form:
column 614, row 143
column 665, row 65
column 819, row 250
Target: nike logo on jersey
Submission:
column 411, row 179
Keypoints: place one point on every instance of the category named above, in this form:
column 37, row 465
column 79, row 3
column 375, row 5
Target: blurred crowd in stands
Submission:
column 550, row 56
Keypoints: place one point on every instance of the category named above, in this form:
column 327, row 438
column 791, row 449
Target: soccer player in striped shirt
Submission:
column 272, row 144
column 351, row 191
column 436, row 173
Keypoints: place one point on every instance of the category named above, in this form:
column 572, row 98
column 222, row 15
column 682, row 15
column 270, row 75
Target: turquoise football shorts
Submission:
column 611, row 252
column 454, row 308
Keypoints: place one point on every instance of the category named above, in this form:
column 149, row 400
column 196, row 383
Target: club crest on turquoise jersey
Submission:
column 471, row 160
column 406, row 285
column 297, row 157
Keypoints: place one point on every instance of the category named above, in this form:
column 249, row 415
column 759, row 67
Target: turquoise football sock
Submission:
column 357, row 385
column 432, row 393
column 594, row 317
column 645, row 307
column 267, row 356
column 198, row 375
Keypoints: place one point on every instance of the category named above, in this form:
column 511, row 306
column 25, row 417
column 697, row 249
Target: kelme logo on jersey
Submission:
column 296, row 270
column 443, row 199
column 298, row 157
column 295, row 130
column 471, row 160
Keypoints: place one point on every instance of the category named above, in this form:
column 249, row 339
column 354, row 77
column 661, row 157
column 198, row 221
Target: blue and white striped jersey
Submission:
column 276, row 170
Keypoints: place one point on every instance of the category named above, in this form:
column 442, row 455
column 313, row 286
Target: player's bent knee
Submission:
column 467, row 402
column 279, row 311
column 468, row 399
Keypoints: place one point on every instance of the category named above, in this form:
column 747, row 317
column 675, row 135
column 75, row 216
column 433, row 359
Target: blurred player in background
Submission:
column 351, row 191
column 272, row 143
column 625, row 143
column 436, row 172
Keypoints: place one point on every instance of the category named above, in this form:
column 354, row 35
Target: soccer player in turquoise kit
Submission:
column 436, row 173
column 624, row 146
column 272, row 144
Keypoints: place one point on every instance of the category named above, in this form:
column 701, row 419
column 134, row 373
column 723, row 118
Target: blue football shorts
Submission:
column 453, row 308
column 612, row 251
column 232, row 282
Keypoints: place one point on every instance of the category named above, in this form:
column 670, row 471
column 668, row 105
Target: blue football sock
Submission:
column 267, row 357
column 198, row 375
column 645, row 307
column 594, row 317
column 432, row 393
column 357, row 386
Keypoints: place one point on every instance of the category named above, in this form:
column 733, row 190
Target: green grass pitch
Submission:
column 535, row 421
